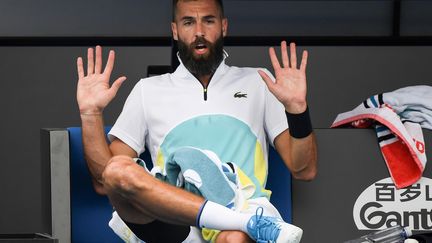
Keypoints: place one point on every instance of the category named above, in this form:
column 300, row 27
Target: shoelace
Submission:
column 262, row 222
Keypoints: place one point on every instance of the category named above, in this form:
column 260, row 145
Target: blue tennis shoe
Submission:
column 272, row 229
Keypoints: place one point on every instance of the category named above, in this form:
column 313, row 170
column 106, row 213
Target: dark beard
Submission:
column 205, row 64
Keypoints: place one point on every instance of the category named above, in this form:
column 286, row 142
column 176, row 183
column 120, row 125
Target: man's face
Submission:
column 199, row 29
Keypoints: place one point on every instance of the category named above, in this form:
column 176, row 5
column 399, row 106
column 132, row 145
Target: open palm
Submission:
column 94, row 91
column 289, row 87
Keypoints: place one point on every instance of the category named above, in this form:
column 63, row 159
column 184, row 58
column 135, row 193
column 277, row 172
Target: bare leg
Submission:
column 140, row 198
column 233, row 237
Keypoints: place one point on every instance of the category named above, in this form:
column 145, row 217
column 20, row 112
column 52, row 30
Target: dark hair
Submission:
column 219, row 3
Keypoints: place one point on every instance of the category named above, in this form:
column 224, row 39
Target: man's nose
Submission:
column 199, row 30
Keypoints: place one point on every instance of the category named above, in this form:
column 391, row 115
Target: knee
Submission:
column 233, row 236
column 119, row 175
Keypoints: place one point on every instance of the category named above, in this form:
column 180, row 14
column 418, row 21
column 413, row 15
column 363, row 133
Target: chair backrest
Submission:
column 91, row 212
column 279, row 182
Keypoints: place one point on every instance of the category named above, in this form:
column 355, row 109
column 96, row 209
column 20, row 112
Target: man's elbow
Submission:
column 307, row 174
column 99, row 188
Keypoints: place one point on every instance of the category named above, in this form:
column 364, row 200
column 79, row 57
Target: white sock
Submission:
column 216, row 216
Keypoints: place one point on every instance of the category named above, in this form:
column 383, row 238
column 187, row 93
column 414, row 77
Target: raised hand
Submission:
column 290, row 84
column 94, row 91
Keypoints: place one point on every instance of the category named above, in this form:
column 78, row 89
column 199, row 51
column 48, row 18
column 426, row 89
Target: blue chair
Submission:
column 279, row 182
column 91, row 212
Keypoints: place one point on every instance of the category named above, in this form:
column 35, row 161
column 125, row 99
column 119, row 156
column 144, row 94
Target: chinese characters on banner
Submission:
column 381, row 206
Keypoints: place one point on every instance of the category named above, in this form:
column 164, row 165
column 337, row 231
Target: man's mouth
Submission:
column 200, row 48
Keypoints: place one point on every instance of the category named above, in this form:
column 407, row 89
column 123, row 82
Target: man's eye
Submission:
column 210, row 21
column 187, row 23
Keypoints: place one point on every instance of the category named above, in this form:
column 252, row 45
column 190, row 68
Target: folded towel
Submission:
column 397, row 117
column 201, row 172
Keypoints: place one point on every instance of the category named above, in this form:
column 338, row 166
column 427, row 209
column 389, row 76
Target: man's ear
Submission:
column 174, row 30
column 224, row 26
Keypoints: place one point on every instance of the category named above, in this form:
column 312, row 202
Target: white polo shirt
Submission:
column 237, row 120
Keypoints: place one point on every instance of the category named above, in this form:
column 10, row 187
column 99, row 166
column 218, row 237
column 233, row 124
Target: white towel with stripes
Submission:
column 398, row 118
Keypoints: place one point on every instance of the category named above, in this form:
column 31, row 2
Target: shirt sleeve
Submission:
column 131, row 127
column 275, row 121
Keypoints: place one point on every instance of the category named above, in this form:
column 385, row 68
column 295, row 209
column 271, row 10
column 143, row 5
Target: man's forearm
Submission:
column 298, row 154
column 96, row 149
column 304, row 157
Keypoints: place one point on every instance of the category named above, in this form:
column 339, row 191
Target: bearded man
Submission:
column 225, row 113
